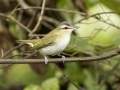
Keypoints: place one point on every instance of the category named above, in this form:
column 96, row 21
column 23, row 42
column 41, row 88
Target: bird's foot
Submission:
column 46, row 59
column 63, row 57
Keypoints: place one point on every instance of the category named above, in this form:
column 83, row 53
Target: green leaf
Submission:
column 51, row 84
column 110, row 5
column 90, row 82
column 32, row 87
column 116, row 40
column 2, row 84
column 16, row 30
column 81, row 46
column 1, row 72
column 23, row 74
column 75, row 72
column 71, row 87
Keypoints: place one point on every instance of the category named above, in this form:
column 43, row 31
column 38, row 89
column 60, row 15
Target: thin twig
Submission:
column 104, row 11
column 13, row 11
column 51, row 20
column 108, row 75
column 40, row 18
column 34, row 53
column 34, row 16
column 9, row 51
column 76, row 12
column 94, row 15
column 24, row 27
column 2, row 53
column 31, row 12
column 53, row 9
column 17, row 22
column 77, row 86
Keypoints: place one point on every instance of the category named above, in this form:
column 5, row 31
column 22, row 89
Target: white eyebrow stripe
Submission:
column 63, row 26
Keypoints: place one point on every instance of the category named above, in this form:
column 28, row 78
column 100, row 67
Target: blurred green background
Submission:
column 94, row 37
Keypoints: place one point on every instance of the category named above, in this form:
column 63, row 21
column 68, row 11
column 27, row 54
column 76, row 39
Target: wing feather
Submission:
column 40, row 43
column 46, row 40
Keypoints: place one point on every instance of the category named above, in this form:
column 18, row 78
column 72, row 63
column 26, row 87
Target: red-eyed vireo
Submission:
column 54, row 42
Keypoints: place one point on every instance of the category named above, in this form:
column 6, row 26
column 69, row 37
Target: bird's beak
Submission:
column 76, row 27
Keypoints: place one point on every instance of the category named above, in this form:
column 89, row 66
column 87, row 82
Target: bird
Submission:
column 54, row 42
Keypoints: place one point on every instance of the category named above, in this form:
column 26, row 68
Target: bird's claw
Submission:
column 63, row 57
column 46, row 59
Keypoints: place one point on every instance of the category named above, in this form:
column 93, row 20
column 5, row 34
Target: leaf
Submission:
column 81, row 45
column 90, row 82
column 2, row 84
column 1, row 72
column 51, row 84
column 116, row 41
column 71, row 87
column 75, row 72
column 32, row 87
column 23, row 74
column 110, row 5
column 16, row 30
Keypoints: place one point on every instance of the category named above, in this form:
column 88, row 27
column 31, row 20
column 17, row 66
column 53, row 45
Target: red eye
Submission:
column 66, row 27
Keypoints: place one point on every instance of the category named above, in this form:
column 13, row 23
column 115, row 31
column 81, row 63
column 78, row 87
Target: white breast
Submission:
column 56, row 48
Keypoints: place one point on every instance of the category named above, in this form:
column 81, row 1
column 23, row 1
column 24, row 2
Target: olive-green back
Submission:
column 46, row 40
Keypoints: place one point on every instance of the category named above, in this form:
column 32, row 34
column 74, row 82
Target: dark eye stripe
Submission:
column 65, row 25
column 66, row 28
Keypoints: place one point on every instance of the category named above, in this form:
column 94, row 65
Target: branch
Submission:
column 95, row 16
column 35, row 13
column 12, row 49
column 52, row 9
column 58, row 60
column 40, row 18
column 69, row 79
column 16, row 21
column 76, row 12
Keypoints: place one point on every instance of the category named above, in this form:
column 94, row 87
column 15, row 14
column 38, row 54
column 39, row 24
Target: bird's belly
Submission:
column 56, row 48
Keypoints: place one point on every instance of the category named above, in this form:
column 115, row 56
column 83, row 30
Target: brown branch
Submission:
column 107, row 75
column 40, row 18
column 9, row 51
column 76, row 12
column 68, row 11
column 69, row 79
column 58, row 60
column 12, row 49
column 34, row 16
column 53, row 9
column 16, row 21
column 2, row 52
column 19, row 2
column 32, row 11
column 95, row 16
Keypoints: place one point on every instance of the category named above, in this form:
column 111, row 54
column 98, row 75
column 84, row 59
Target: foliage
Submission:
column 94, row 38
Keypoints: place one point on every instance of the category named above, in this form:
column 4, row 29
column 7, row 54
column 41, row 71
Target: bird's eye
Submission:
column 66, row 28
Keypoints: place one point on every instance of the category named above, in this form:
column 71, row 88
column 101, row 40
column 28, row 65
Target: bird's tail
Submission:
column 30, row 42
column 23, row 41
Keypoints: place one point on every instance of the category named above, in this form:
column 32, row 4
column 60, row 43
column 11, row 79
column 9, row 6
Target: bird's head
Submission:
column 67, row 26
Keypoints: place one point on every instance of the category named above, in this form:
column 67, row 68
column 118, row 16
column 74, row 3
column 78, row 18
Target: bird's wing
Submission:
column 45, row 41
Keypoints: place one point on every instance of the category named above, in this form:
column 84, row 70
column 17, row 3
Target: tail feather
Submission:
column 29, row 42
column 24, row 41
